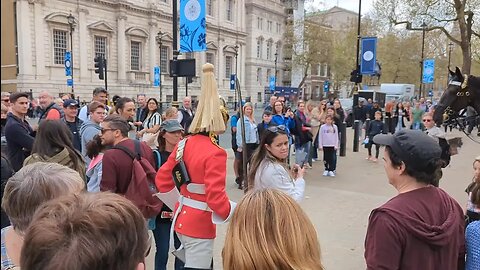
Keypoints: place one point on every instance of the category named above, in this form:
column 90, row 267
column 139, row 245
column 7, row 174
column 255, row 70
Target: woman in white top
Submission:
column 268, row 167
column 151, row 124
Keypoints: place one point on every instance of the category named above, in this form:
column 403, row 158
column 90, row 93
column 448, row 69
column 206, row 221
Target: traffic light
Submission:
column 99, row 66
column 355, row 76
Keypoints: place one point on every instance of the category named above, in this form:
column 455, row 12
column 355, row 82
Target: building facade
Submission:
column 125, row 33
column 243, row 37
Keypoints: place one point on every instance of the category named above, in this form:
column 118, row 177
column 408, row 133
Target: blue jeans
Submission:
column 162, row 242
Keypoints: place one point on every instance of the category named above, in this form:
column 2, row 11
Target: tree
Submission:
column 454, row 18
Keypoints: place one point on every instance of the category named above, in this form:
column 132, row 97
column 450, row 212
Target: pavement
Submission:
column 339, row 207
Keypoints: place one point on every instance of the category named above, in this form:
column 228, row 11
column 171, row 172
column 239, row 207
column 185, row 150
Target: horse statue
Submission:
column 462, row 91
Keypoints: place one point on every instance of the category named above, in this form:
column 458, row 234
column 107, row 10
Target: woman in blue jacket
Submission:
column 251, row 138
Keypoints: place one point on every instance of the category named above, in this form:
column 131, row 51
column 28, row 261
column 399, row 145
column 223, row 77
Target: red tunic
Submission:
column 206, row 164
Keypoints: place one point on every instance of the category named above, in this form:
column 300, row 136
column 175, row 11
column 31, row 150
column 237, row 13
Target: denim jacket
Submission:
column 251, row 132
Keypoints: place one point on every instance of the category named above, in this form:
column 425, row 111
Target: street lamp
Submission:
column 71, row 23
column 276, row 58
column 424, row 27
column 450, row 48
column 159, row 39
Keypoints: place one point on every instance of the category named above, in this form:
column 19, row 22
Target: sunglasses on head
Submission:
column 275, row 129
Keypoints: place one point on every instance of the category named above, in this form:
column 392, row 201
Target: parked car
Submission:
column 347, row 105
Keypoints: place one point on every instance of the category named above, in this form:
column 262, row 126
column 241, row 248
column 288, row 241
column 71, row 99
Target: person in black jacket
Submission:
column 6, row 173
column 360, row 113
column 18, row 132
column 267, row 122
column 303, row 137
column 375, row 127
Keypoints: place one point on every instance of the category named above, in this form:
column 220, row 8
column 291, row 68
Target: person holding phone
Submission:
column 269, row 169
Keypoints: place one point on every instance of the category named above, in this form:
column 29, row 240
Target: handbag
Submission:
column 151, row 139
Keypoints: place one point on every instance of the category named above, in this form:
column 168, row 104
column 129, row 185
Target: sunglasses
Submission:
column 103, row 130
column 427, row 120
column 275, row 129
column 6, row 100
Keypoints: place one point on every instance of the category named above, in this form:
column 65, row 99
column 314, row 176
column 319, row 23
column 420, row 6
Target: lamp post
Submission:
column 71, row 23
column 424, row 26
column 450, row 48
column 159, row 39
column 276, row 58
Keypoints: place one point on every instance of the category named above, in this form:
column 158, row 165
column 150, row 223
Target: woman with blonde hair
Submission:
column 251, row 139
column 279, row 237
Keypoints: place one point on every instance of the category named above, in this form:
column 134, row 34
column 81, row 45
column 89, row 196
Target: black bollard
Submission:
column 367, row 124
column 356, row 134
column 342, row 129
column 387, row 125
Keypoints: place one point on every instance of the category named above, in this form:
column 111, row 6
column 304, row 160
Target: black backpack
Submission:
column 445, row 155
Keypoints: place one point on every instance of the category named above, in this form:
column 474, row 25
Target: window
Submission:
column 100, row 46
column 321, row 69
column 169, row 98
column 230, row 99
column 228, row 66
column 259, row 97
column 259, row 75
column 135, row 55
column 270, row 26
column 59, row 46
column 259, row 23
column 210, row 7
column 326, row 70
column 259, row 48
column 277, row 49
column 269, row 50
column 229, row 10
column 278, row 28
column 164, row 58
column 269, row 71
column 210, row 58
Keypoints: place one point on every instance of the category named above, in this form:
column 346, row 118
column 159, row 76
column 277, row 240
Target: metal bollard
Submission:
column 356, row 134
column 342, row 129
column 367, row 124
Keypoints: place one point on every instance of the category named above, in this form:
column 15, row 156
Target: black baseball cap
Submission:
column 70, row 102
column 415, row 148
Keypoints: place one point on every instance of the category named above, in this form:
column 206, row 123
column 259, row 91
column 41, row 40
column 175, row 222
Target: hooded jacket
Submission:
column 88, row 130
column 62, row 158
column 420, row 229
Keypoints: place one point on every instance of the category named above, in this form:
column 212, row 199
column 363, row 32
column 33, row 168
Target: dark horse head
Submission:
column 462, row 91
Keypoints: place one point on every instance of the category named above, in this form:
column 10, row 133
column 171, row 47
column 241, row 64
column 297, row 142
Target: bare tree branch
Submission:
column 475, row 34
column 442, row 20
column 458, row 42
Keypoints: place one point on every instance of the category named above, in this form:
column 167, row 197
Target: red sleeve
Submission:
column 164, row 180
column 383, row 244
column 215, row 177
column 53, row 115
column 109, row 174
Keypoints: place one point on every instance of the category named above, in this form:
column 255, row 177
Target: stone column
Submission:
column 82, row 59
column 152, row 48
column 121, row 51
column 24, row 37
column 39, row 45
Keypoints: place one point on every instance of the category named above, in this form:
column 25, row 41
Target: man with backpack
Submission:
column 128, row 167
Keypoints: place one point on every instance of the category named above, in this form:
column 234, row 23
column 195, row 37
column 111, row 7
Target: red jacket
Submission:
column 206, row 164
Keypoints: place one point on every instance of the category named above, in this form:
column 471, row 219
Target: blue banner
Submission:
column 326, row 86
column 68, row 63
column 368, row 55
column 69, row 82
column 193, row 26
column 232, row 82
column 156, row 76
column 428, row 75
column 271, row 83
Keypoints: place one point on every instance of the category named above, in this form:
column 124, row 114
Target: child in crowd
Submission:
column 375, row 127
column 94, row 171
column 267, row 122
column 473, row 205
column 328, row 143
column 472, row 232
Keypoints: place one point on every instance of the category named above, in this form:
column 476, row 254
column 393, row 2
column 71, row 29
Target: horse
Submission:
column 462, row 91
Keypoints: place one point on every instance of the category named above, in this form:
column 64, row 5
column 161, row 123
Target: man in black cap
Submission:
column 422, row 227
column 70, row 108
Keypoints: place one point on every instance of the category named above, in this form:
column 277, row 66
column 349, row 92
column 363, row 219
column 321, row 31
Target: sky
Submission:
column 367, row 5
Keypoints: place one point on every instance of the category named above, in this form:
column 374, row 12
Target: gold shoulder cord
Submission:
column 213, row 139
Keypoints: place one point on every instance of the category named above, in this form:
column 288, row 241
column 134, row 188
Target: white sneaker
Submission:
column 313, row 160
column 332, row 174
column 325, row 173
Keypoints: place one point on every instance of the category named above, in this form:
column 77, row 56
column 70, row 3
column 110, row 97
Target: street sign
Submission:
column 156, row 76
column 430, row 93
column 68, row 63
column 69, row 82
column 326, row 86
column 232, row 82
column 272, row 83
column 428, row 71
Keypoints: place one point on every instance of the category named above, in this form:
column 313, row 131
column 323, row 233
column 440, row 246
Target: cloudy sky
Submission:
column 347, row 4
